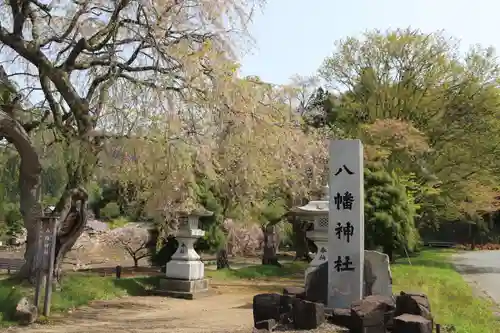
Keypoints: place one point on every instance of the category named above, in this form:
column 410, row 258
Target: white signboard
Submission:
column 346, row 224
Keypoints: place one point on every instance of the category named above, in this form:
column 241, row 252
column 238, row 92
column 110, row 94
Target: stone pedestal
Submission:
column 186, row 289
column 185, row 273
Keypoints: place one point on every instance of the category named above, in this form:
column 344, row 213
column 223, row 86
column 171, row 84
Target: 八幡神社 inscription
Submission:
column 344, row 201
column 342, row 264
column 344, row 168
column 344, row 231
column 346, row 223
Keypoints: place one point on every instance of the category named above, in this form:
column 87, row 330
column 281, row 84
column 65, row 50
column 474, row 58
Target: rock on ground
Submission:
column 26, row 312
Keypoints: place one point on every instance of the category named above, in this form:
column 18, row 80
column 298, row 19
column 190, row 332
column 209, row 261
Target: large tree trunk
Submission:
column 389, row 250
column 70, row 228
column 72, row 206
column 222, row 259
column 270, row 246
column 29, row 184
column 300, row 243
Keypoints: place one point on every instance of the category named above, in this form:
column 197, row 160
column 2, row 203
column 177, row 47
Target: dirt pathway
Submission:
column 229, row 312
column 220, row 313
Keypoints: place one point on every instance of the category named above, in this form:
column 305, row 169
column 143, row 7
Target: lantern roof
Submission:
column 200, row 212
column 314, row 206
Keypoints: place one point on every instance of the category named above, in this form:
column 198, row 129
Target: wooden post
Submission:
column 39, row 244
column 38, row 260
column 438, row 328
column 118, row 272
column 48, row 233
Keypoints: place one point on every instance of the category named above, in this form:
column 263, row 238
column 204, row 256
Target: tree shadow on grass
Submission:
column 427, row 258
column 138, row 286
column 425, row 263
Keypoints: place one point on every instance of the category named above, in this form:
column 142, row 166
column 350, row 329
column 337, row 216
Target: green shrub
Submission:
column 389, row 217
column 110, row 211
column 118, row 222
column 214, row 240
column 274, row 210
column 208, row 196
column 13, row 219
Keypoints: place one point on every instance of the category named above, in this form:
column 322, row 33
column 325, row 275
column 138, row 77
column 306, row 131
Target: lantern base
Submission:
column 184, row 289
column 185, row 270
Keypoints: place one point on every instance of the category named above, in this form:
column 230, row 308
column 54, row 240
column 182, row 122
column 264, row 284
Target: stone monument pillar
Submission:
column 346, row 223
column 185, row 272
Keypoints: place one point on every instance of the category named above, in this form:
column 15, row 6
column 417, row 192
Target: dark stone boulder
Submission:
column 286, row 304
column 413, row 303
column 316, row 287
column 307, row 315
column 267, row 306
column 371, row 313
column 273, row 308
column 408, row 323
column 266, row 325
column 340, row 317
column 390, row 307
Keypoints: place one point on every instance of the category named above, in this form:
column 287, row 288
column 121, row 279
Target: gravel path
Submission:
column 482, row 270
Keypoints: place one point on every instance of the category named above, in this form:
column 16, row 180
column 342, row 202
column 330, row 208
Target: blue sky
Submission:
column 294, row 36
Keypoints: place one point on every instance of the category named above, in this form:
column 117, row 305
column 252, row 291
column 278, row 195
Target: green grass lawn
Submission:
column 76, row 290
column 452, row 301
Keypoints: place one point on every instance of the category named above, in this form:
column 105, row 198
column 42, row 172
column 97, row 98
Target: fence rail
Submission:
column 440, row 244
column 11, row 265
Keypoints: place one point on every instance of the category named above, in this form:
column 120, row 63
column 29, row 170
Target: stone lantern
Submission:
column 185, row 272
column 317, row 212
